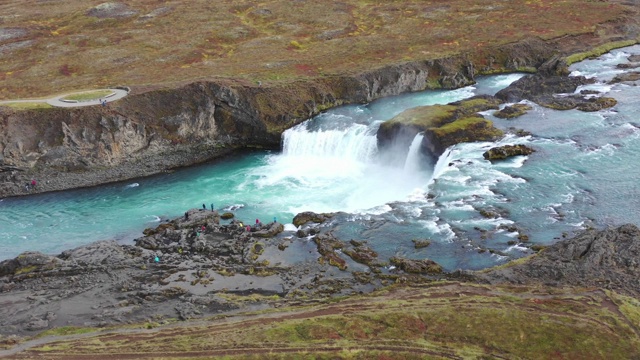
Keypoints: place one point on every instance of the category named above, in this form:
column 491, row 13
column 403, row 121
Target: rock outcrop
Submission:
column 512, row 111
column 424, row 266
column 503, row 152
column 626, row 77
column 442, row 126
column 555, row 92
column 607, row 259
column 309, row 216
column 155, row 130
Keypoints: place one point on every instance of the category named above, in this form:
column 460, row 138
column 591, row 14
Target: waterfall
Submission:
column 413, row 162
column 356, row 142
column 442, row 164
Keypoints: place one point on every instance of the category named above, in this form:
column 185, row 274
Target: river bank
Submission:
column 194, row 268
column 155, row 131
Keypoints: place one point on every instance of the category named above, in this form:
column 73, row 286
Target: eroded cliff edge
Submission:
column 152, row 131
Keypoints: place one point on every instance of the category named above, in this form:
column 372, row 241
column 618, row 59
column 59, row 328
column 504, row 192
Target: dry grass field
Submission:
column 56, row 46
column 439, row 321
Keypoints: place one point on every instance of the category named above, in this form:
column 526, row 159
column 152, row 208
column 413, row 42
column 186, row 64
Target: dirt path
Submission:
column 560, row 307
column 58, row 101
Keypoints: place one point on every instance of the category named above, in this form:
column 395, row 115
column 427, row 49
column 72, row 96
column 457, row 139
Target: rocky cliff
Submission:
column 152, row 131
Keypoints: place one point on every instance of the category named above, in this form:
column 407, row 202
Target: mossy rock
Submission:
column 362, row 254
column 427, row 119
column 227, row 216
column 476, row 104
column 424, row 117
column 269, row 231
column 158, row 230
column 257, row 248
column 468, row 129
column 537, row 247
column 597, row 104
column 424, row 266
column 327, row 245
column 488, row 214
column 420, row 243
column 506, row 151
column 513, row 111
column 337, row 261
column 421, row 118
column 309, row 216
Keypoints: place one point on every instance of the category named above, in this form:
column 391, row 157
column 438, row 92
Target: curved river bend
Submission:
column 582, row 174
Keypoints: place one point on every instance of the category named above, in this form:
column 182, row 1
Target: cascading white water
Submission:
column 441, row 164
column 413, row 162
column 329, row 163
column 356, row 143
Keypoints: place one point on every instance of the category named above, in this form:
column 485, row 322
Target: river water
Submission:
column 582, row 174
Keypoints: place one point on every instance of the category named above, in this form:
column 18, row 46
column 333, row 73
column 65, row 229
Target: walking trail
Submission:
column 60, row 101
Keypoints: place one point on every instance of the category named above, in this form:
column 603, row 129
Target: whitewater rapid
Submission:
column 582, row 174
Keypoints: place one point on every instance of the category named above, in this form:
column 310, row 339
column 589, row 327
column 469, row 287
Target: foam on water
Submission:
column 580, row 175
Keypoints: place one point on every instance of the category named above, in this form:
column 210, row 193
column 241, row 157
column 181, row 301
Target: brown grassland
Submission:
column 56, row 46
column 52, row 47
column 438, row 321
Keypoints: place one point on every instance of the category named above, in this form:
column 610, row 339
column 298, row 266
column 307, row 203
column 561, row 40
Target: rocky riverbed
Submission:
column 195, row 267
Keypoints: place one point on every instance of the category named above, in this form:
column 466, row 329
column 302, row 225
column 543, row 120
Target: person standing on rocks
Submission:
column 211, row 207
column 33, row 184
column 204, row 207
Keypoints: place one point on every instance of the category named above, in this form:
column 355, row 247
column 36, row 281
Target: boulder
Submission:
column 424, row 266
column 630, row 76
column 608, row 258
column 513, row 111
column 270, row 230
column 503, row 152
column 555, row 66
column 597, row 103
column 37, row 324
column 227, row 216
column 469, row 129
column 101, row 253
column 327, row 246
column 540, row 89
column 545, row 90
column 111, row 10
column 27, row 262
column 420, row 243
column 309, row 216
column 632, row 65
column 362, row 254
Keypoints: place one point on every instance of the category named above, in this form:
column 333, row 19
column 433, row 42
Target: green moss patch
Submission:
column 88, row 95
column 599, row 50
column 27, row 105
column 467, row 130
column 443, row 320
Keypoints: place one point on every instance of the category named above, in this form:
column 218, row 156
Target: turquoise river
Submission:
column 584, row 173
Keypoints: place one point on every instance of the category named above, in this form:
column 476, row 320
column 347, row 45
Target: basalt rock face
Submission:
column 607, row 258
column 151, row 130
column 537, row 86
column 544, row 91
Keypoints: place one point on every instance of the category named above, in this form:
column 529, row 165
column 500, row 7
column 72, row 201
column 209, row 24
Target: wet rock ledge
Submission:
column 193, row 266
